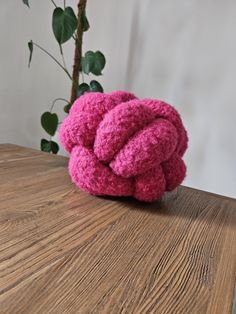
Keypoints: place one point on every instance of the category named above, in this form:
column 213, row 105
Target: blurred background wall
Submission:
column 183, row 52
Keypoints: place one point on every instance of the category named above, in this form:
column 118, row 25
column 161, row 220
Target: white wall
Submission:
column 179, row 51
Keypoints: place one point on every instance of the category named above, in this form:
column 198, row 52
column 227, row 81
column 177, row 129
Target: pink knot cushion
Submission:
column 124, row 146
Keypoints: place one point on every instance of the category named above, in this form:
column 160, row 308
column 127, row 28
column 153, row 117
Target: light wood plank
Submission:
column 64, row 251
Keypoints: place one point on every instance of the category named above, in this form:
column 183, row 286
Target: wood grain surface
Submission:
column 64, row 251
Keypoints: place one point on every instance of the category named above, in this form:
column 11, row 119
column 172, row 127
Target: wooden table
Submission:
column 64, row 251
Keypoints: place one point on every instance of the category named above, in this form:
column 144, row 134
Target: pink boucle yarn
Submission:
column 124, row 146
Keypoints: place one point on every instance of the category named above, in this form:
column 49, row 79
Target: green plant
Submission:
column 66, row 25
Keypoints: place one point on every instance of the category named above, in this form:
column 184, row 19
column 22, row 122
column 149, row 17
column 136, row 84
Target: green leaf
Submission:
column 95, row 86
column 45, row 145
column 64, row 24
column 49, row 122
column 67, row 108
column 49, row 146
column 30, row 46
column 84, row 21
column 87, row 62
column 82, row 89
column 99, row 63
column 54, row 147
column 93, row 62
column 26, row 2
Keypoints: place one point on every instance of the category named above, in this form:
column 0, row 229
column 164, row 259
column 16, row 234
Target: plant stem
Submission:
column 82, row 74
column 63, row 58
column 64, row 4
column 54, row 3
column 78, row 51
column 55, row 100
column 51, row 56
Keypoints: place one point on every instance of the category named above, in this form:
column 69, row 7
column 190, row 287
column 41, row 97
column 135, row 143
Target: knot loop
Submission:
column 123, row 146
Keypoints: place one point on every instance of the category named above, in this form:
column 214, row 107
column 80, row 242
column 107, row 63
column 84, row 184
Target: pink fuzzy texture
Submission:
column 123, row 146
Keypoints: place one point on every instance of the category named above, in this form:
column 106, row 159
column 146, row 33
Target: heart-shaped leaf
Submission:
column 93, row 62
column 82, row 89
column 30, row 46
column 64, row 24
column 45, row 145
column 95, row 86
column 54, row 147
column 87, row 62
column 49, row 146
column 49, row 122
column 26, row 2
column 99, row 63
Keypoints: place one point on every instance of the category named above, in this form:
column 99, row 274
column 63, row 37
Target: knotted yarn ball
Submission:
column 120, row 145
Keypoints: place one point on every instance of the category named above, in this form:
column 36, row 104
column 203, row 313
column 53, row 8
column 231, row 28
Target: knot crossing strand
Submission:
column 124, row 146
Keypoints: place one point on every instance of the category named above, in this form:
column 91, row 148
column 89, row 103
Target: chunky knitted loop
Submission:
column 123, row 146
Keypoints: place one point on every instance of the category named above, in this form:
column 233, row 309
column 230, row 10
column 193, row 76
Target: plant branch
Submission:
column 55, row 100
column 78, row 51
column 63, row 58
column 51, row 56
column 54, row 3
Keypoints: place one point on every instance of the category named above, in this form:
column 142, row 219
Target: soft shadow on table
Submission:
column 156, row 207
column 182, row 202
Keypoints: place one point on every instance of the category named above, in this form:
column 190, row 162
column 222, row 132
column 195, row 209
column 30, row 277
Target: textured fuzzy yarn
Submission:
column 123, row 146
